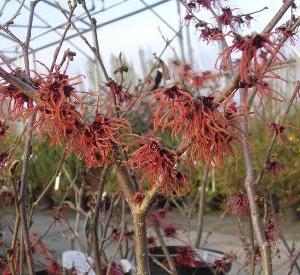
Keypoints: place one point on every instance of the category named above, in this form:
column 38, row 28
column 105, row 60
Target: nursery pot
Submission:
column 207, row 256
column 39, row 270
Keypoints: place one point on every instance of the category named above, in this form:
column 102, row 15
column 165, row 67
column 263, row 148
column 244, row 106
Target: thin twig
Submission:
column 68, row 25
column 119, row 241
column 201, row 209
column 27, row 153
column 95, row 219
column 277, row 133
column 234, row 83
column 293, row 263
column 164, row 247
column 46, row 189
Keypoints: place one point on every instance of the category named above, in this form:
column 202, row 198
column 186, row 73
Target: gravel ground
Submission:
column 225, row 236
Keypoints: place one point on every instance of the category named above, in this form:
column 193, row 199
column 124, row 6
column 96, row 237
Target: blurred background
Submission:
column 135, row 28
column 138, row 29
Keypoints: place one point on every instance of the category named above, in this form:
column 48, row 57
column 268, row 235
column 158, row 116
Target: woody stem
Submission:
column 140, row 242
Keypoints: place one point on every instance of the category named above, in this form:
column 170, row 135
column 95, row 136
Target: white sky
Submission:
column 130, row 35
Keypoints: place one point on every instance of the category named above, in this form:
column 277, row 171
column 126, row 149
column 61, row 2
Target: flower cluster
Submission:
column 238, row 204
column 196, row 80
column 94, row 141
column 277, row 128
column 210, row 34
column 13, row 99
column 207, row 132
column 60, row 118
column 261, row 83
column 186, row 257
column 227, row 18
column 169, row 231
column 223, row 265
column 272, row 231
column 58, row 114
column 273, row 166
column 97, row 139
column 157, row 165
column 286, row 32
column 118, row 92
column 54, row 88
column 248, row 256
column 43, row 252
column 253, row 49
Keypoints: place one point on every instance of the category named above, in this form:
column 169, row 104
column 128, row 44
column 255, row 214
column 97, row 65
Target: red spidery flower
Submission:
column 207, row 132
column 210, row 132
column 260, row 82
column 59, row 116
column 238, row 204
column 273, row 167
column 97, row 139
column 43, row 252
column 63, row 125
column 118, row 92
column 226, row 18
column 169, row 231
column 277, row 128
column 186, row 257
column 18, row 103
column 285, row 31
column 157, row 164
column 253, row 49
column 55, row 88
column 151, row 241
column 172, row 107
column 211, row 34
column 223, row 265
column 272, row 231
column 248, row 256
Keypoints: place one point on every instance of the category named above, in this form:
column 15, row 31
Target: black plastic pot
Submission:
column 41, row 272
column 208, row 255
